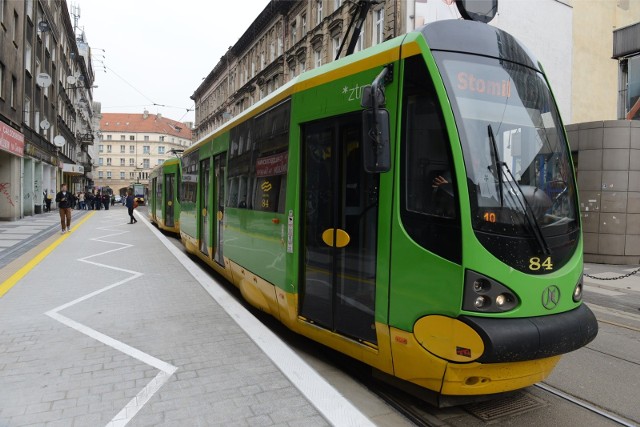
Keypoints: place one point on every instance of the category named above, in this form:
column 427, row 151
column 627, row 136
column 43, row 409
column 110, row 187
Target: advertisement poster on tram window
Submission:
column 269, row 171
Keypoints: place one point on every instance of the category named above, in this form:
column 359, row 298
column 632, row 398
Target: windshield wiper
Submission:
column 513, row 185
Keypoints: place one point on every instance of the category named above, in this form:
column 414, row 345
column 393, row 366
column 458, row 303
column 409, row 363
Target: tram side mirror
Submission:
column 376, row 149
column 478, row 10
column 368, row 99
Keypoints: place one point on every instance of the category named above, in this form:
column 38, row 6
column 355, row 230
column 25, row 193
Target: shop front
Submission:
column 11, row 154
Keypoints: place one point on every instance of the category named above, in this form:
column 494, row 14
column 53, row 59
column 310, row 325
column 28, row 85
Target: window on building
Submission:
column 123, row 148
column 146, row 163
column 121, row 161
column 100, row 161
column 319, row 15
column 108, row 137
column 108, row 148
column 303, row 20
column 336, row 46
column 1, row 78
column 108, row 174
column 146, row 137
column 132, row 175
column 337, row 4
column 294, row 33
column 317, row 57
column 100, row 175
column 378, row 26
column 27, row 57
column 14, row 30
column 132, row 137
column 146, row 149
column 162, row 138
column 101, row 148
column 27, row 111
column 160, row 161
column 160, row 149
column 108, row 161
column 123, row 137
column 14, row 92
column 360, row 43
column 132, row 162
column 121, row 174
column 132, row 149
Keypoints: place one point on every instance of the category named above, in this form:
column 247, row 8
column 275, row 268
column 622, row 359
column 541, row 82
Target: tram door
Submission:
column 169, row 182
column 219, row 162
column 204, row 206
column 341, row 215
column 154, row 200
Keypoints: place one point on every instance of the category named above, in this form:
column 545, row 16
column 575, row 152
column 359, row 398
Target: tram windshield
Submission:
column 516, row 158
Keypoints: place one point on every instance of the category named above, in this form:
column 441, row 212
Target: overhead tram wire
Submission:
column 153, row 103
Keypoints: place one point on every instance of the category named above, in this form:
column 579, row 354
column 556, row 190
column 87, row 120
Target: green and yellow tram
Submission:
column 164, row 206
column 412, row 205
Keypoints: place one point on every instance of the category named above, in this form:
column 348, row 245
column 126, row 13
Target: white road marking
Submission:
column 166, row 370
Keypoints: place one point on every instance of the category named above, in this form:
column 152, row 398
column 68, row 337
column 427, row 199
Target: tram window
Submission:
column 190, row 178
column 430, row 211
column 258, row 162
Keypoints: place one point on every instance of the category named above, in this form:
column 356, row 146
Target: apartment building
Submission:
column 46, row 105
column 133, row 144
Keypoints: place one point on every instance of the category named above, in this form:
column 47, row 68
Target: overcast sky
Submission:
column 157, row 52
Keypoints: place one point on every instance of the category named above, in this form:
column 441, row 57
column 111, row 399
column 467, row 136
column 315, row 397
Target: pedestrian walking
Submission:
column 81, row 200
column 131, row 205
column 65, row 201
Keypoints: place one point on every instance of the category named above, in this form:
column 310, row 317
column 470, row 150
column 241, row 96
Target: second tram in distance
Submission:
column 412, row 205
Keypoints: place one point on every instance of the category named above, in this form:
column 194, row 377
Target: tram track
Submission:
column 585, row 405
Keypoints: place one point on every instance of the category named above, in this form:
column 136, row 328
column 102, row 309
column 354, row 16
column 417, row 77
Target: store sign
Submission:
column 11, row 140
column 73, row 169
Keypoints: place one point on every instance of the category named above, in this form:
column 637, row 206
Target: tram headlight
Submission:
column 481, row 302
column 486, row 295
column 577, row 291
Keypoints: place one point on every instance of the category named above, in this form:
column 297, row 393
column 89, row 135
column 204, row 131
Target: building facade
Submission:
column 596, row 67
column 290, row 37
column 132, row 145
column 46, row 105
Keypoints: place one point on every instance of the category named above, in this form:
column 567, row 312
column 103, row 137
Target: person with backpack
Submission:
column 131, row 204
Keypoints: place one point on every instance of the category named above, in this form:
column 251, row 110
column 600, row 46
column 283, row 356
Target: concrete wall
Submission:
column 607, row 155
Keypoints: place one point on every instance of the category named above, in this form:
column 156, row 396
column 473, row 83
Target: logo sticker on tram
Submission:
column 353, row 93
column 551, row 297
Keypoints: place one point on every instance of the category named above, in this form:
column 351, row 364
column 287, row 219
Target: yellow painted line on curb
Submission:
column 11, row 281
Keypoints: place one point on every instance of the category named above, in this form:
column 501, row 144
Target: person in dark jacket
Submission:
column 129, row 203
column 65, row 201
column 47, row 201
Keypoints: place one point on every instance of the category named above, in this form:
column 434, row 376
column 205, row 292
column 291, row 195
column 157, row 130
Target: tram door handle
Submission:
column 342, row 238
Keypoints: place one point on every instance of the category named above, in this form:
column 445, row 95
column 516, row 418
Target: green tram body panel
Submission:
column 164, row 205
column 412, row 291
